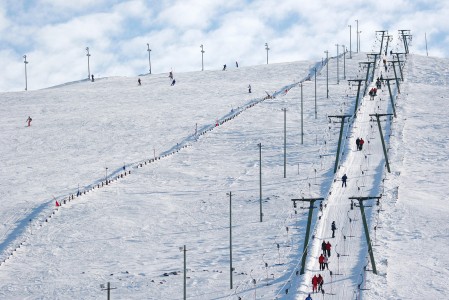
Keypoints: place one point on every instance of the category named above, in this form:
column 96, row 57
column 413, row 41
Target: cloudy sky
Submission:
column 54, row 34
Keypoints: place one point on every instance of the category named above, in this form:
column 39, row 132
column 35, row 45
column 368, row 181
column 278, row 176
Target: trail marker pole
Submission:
column 350, row 42
column 302, row 117
column 202, row 57
column 267, row 48
column 149, row 56
column 344, row 62
column 185, row 272
column 26, row 77
column 327, row 73
column 338, row 76
column 315, row 95
column 231, row 269
column 285, row 142
column 88, row 63
column 260, row 180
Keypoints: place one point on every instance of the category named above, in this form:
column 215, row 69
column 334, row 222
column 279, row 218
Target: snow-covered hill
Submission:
column 192, row 150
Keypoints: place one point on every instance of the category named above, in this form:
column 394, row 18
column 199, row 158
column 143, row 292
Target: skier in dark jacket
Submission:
column 308, row 298
column 323, row 247
column 333, row 228
column 249, row 88
column 93, row 78
column 320, row 282
column 343, row 180
column 173, row 82
column 224, row 67
column 357, row 142
column 29, row 121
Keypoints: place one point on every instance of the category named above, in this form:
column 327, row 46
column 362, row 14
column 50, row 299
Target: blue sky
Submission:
column 54, row 34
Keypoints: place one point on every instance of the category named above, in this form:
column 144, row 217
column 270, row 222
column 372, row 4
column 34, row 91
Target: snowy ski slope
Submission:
column 188, row 147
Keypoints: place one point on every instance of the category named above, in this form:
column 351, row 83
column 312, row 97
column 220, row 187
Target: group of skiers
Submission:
column 372, row 93
column 236, row 65
column 317, row 284
column 326, row 247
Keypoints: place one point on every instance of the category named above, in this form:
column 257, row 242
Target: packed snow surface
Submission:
column 142, row 171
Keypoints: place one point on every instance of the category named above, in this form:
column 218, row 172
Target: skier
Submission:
column 328, row 249
column 326, row 263
column 343, row 179
column 323, row 247
column 29, row 121
column 236, row 64
column 93, row 78
column 314, row 284
column 333, row 228
column 320, row 282
column 139, row 82
column 321, row 261
column 57, row 203
column 173, row 82
column 357, row 142
column 308, row 298
column 378, row 83
column 170, row 75
column 249, row 88
column 224, row 67
column 361, row 144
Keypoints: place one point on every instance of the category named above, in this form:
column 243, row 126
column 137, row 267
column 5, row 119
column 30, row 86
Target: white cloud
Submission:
column 54, row 33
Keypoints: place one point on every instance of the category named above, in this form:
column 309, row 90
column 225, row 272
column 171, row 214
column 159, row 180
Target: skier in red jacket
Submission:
column 321, row 261
column 314, row 284
column 328, row 249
